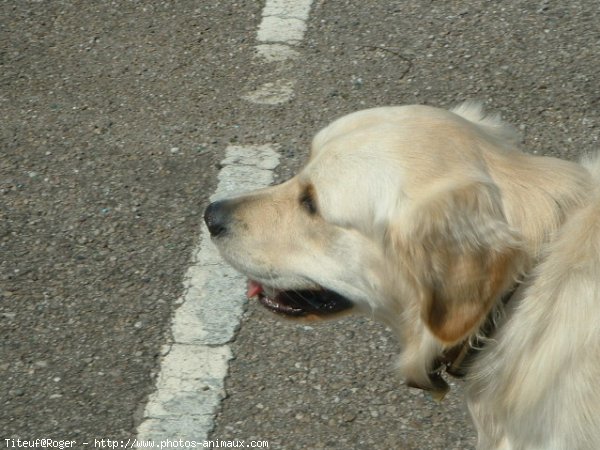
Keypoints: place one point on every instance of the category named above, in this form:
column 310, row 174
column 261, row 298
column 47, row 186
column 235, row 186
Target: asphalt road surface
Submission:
column 114, row 119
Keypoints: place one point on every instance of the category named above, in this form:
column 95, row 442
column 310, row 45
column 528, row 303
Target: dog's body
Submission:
column 535, row 386
column 431, row 221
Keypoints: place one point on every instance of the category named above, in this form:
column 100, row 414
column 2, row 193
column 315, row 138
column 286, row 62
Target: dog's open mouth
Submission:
column 299, row 303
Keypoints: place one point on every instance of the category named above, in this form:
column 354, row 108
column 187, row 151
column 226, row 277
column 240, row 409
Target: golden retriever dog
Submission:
column 483, row 260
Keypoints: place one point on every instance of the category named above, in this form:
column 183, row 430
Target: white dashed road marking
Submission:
column 191, row 381
column 190, row 385
column 282, row 28
column 272, row 93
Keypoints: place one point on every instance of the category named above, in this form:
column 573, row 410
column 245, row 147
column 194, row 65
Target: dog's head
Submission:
column 395, row 215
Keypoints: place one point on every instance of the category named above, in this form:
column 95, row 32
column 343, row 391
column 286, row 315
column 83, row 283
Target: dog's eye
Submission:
column 307, row 200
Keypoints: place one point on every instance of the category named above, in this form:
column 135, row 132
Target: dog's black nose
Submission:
column 216, row 218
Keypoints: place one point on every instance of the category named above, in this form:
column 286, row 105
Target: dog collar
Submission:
column 454, row 361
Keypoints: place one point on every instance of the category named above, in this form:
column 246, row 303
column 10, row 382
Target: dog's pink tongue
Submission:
column 254, row 289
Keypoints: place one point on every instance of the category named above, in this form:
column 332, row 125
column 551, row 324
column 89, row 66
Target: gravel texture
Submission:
column 111, row 134
column 114, row 116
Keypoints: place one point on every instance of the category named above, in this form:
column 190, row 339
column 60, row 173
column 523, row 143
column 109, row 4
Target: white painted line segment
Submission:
column 277, row 29
column 290, row 9
column 284, row 21
column 283, row 26
column 276, row 52
column 191, row 381
column 272, row 93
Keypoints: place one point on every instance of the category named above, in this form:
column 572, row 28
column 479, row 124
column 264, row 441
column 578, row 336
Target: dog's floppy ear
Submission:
column 462, row 255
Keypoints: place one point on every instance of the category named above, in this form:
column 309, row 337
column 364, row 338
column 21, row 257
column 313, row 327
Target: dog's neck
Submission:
column 545, row 212
column 455, row 360
column 537, row 219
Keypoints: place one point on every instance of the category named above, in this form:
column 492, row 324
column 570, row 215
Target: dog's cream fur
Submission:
column 425, row 219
